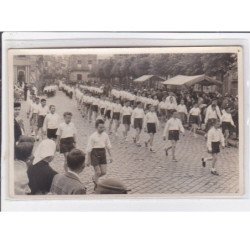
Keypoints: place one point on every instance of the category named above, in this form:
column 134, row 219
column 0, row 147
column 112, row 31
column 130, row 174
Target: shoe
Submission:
column 214, row 172
column 203, row 162
column 152, row 150
column 138, row 144
column 174, row 160
column 146, row 144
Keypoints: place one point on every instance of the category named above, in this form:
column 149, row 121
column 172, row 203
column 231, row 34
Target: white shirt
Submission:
column 168, row 99
column 127, row 110
column 214, row 135
column 173, row 124
column 51, row 121
column 181, row 108
column 155, row 102
column 66, row 130
column 102, row 104
column 162, row 105
column 97, row 140
column 210, row 113
column 195, row 111
column 171, row 105
column 138, row 113
column 117, row 108
column 96, row 101
column 35, row 108
column 43, row 110
column 227, row 117
column 109, row 106
column 151, row 117
column 30, row 104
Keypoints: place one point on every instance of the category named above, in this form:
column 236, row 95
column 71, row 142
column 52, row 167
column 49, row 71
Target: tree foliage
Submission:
column 164, row 65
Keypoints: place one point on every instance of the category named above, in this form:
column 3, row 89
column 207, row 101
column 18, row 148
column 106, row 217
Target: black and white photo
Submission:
column 144, row 122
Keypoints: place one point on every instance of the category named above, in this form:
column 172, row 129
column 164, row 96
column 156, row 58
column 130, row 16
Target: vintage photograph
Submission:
column 143, row 122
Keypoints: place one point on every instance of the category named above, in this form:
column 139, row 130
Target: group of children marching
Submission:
column 99, row 109
column 145, row 115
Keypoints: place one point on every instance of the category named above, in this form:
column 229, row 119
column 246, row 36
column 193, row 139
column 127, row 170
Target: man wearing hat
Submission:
column 17, row 127
column 110, row 186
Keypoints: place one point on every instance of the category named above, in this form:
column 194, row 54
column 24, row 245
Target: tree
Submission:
column 218, row 64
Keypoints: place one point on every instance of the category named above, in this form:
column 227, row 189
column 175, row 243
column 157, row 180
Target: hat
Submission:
column 111, row 186
column 17, row 104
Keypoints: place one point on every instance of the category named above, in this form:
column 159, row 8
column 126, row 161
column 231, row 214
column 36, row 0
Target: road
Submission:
column 153, row 173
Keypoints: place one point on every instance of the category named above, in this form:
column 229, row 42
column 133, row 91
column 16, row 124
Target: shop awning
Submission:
column 145, row 78
column 180, row 80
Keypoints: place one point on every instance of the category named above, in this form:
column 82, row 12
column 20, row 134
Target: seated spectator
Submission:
column 110, row 186
column 22, row 151
column 40, row 173
column 70, row 183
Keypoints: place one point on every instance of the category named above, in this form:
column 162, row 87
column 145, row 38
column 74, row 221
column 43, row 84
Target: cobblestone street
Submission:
column 153, row 173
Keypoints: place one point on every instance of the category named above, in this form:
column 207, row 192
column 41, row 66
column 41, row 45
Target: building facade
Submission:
column 22, row 67
column 80, row 67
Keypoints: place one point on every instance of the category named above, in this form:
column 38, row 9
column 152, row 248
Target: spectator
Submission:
column 111, row 186
column 23, row 151
column 17, row 126
column 70, row 183
column 40, row 173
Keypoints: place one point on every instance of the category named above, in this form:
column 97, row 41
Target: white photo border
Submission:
column 57, row 41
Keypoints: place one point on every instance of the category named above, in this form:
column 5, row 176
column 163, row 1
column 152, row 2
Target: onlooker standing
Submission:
column 40, row 173
column 23, row 151
column 17, row 126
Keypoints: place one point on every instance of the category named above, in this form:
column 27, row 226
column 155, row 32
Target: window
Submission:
column 79, row 77
column 79, row 63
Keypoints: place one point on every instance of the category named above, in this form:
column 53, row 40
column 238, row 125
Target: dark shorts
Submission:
column 95, row 108
column 215, row 147
column 151, row 127
column 182, row 117
column 126, row 119
column 116, row 115
column 226, row 126
column 163, row 112
column 173, row 135
column 194, row 119
column 40, row 121
column 209, row 123
column 51, row 133
column 102, row 111
column 108, row 114
column 170, row 112
column 138, row 123
column 66, row 144
column 98, row 157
